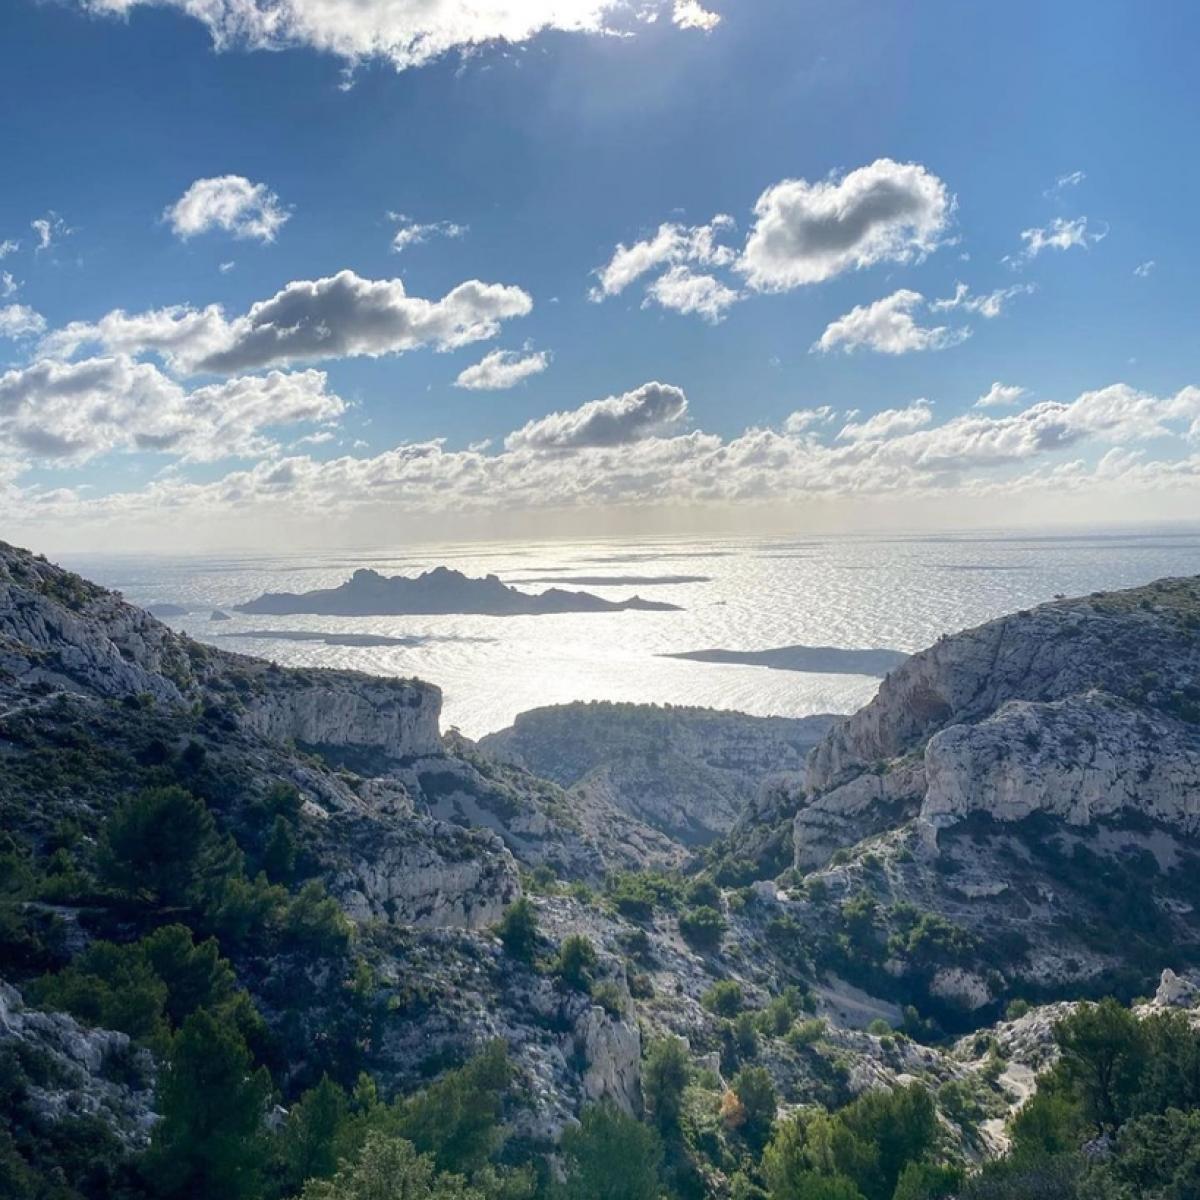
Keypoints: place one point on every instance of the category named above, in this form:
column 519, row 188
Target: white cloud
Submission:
column 8, row 285
column 988, row 305
column 226, row 267
column 19, row 320
column 1000, row 395
column 1060, row 234
column 890, row 423
column 8, row 246
column 72, row 412
column 804, row 419
column 49, row 229
column 977, row 455
column 341, row 316
column 500, row 369
column 231, row 203
column 888, row 326
column 412, row 233
column 809, row 232
column 690, row 14
column 406, row 33
column 672, row 243
column 615, row 421
column 683, row 291
column 1144, row 269
column 1069, row 180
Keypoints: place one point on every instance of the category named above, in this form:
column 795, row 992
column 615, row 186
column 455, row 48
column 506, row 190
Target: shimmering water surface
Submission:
column 847, row 591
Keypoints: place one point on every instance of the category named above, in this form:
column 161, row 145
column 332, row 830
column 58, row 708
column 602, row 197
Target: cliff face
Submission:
column 75, row 656
column 689, row 773
column 57, row 631
column 1078, row 708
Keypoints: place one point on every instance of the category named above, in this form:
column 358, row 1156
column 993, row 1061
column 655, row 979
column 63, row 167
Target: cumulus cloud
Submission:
column 413, row 233
column 683, row 291
column 988, row 305
column 19, row 320
column 501, row 369
column 72, row 412
column 1060, row 234
column 405, row 33
column 809, row 232
column 231, row 203
column 671, row 244
column 341, row 316
column 977, row 454
column 8, row 285
column 614, row 421
column 8, row 246
column 1000, row 395
column 888, row 326
column 1144, row 269
column 890, row 423
column 805, row 419
column 690, row 14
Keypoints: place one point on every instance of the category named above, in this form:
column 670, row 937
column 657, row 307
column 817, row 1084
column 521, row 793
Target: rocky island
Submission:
column 272, row 928
column 824, row 660
column 369, row 594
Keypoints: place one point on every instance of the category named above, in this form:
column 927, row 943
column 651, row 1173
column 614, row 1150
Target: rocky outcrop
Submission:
column 422, row 872
column 398, row 717
column 1078, row 708
column 79, row 1071
column 687, row 772
column 612, row 1051
column 1084, row 757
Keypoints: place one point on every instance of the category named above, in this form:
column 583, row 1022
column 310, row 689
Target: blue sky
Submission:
column 533, row 161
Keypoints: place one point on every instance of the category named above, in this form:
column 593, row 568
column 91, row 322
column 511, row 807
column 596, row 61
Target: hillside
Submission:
column 206, row 858
column 688, row 772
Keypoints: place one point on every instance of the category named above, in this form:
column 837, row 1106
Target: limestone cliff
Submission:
column 1077, row 708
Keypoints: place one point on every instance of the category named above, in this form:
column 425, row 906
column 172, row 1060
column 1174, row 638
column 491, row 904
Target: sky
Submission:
column 302, row 272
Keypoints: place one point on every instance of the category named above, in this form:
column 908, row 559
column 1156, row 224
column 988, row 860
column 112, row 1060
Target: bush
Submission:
column 576, row 962
column 666, row 1071
column 518, row 930
column 703, row 893
column 724, row 998
column 756, row 1094
column 702, row 928
column 805, row 1033
column 1016, row 1009
column 745, row 1034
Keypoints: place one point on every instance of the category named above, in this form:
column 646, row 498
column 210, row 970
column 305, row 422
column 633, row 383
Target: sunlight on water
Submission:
column 853, row 592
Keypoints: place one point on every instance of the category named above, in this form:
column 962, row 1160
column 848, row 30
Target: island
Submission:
column 821, row 660
column 440, row 591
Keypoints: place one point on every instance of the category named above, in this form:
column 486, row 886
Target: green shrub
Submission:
column 702, row 928
column 576, row 961
column 518, row 930
column 724, row 998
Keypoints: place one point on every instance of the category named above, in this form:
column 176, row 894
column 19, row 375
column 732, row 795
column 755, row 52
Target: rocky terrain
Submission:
column 368, row 594
column 851, row 905
column 687, row 772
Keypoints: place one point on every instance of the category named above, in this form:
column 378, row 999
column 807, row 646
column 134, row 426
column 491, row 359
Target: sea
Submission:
column 861, row 591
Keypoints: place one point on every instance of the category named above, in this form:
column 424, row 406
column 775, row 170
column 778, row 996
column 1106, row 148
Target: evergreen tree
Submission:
column 665, row 1073
column 209, row 1143
column 610, row 1156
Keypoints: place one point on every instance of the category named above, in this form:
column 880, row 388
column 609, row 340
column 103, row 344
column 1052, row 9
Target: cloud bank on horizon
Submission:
column 272, row 388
